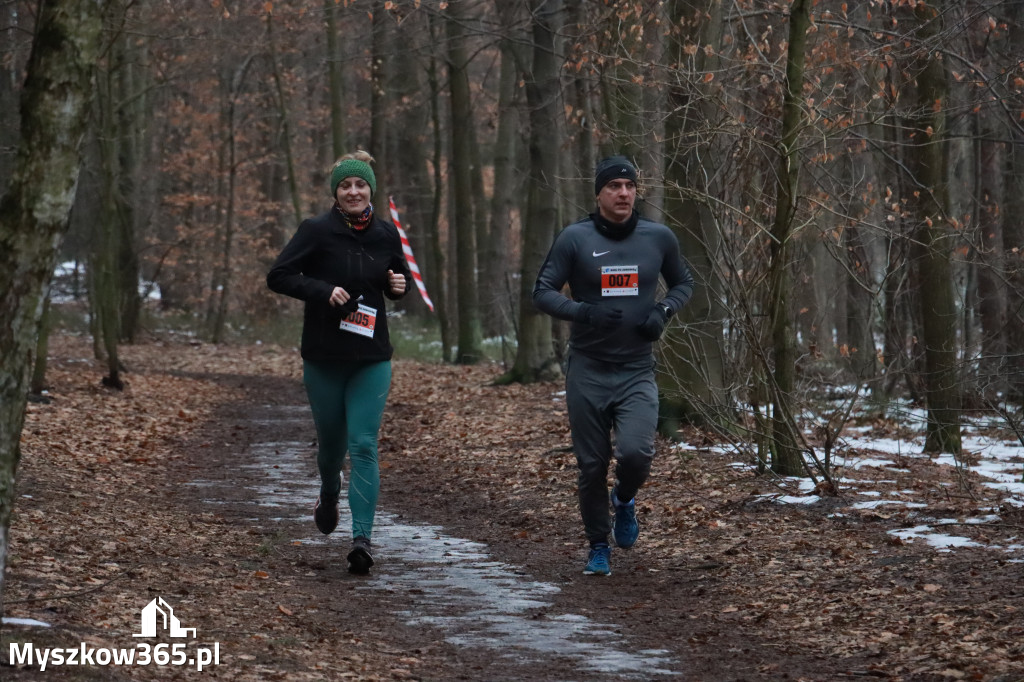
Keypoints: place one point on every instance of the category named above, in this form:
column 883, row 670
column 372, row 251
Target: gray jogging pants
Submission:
column 603, row 397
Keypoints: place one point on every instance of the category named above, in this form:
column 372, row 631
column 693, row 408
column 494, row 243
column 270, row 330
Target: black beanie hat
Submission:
column 612, row 168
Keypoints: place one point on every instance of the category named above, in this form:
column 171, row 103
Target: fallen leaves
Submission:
column 494, row 463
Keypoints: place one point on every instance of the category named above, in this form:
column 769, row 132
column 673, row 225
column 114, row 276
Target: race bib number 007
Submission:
column 620, row 280
column 360, row 321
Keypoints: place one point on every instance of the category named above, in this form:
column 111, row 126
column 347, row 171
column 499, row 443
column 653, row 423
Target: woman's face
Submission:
column 353, row 195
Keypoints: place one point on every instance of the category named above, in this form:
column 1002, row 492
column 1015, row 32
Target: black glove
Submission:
column 601, row 317
column 351, row 305
column 652, row 328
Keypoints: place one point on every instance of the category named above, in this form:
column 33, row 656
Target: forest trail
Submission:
column 195, row 485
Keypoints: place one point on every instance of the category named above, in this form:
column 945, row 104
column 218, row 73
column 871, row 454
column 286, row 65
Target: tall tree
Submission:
column 282, row 100
column 335, row 84
column 693, row 383
column 469, row 336
column 786, row 458
column 435, row 253
column 1012, row 226
column 223, row 274
column 55, row 104
column 581, row 119
column 932, row 246
column 380, row 101
column 535, row 359
column 113, row 261
column 497, row 264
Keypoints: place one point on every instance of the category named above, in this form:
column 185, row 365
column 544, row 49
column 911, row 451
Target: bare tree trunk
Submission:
column 693, row 383
column 55, row 104
column 111, row 223
column 335, row 84
column 535, row 358
column 38, row 383
column 992, row 379
column 469, row 350
column 282, row 112
column 498, row 310
column 1013, row 228
column 412, row 182
column 582, row 118
column 787, row 460
column 932, row 243
column 440, row 283
column 858, row 285
column 131, row 123
column 896, row 319
column 224, row 278
column 380, row 105
column 105, row 293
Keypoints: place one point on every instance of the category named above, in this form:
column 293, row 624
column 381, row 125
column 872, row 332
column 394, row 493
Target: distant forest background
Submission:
column 846, row 181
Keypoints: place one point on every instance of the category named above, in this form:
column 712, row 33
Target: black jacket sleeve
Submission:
column 287, row 276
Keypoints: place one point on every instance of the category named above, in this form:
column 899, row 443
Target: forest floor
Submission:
column 725, row 582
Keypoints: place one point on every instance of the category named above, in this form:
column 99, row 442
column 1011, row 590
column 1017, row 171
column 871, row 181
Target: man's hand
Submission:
column 652, row 328
column 601, row 317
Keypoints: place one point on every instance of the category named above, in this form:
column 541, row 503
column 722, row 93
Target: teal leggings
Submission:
column 348, row 402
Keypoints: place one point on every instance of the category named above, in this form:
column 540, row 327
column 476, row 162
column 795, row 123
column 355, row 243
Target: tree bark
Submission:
column 335, row 84
column 787, row 460
column 55, row 104
column 932, row 244
column 413, row 191
column 131, row 122
column 693, row 384
column 992, row 296
column 1013, row 228
column 439, row 283
column 380, row 104
column 469, row 332
column 286, row 131
column 858, row 285
column 535, row 359
column 497, row 263
column 223, row 279
column 582, row 118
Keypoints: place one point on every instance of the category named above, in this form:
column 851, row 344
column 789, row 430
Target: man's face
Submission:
column 616, row 199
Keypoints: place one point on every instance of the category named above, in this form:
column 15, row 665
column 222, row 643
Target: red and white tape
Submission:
column 409, row 258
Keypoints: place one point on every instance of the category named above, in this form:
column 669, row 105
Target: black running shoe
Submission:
column 326, row 514
column 360, row 559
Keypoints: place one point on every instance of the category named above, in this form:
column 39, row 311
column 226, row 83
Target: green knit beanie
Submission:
column 352, row 168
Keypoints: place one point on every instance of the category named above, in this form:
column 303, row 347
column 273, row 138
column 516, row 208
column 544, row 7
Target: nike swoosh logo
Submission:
column 596, row 254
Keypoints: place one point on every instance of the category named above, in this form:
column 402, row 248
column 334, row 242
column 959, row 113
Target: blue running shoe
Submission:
column 597, row 562
column 625, row 527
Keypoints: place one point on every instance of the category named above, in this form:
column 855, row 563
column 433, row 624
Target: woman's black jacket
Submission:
column 324, row 253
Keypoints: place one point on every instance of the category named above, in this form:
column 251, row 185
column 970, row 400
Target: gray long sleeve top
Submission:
column 619, row 274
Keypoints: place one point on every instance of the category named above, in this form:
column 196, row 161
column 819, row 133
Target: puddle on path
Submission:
column 447, row 583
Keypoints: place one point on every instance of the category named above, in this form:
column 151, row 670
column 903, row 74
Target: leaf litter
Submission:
column 733, row 582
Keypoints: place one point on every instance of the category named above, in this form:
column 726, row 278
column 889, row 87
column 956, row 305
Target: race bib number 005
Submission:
column 620, row 280
column 361, row 321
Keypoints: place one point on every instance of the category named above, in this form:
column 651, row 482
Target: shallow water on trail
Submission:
column 451, row 585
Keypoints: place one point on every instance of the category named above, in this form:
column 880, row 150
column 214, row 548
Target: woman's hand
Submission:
column 339, row 297
column 396, row 282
